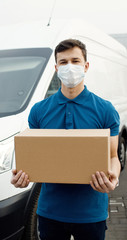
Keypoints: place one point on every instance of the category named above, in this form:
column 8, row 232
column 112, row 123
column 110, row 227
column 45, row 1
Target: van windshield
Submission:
column 20, row 72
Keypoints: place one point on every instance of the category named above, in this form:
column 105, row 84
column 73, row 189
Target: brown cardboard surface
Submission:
column 62, row 156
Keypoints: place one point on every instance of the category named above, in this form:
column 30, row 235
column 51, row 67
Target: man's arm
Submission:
column 99, row 181
column 115, row 163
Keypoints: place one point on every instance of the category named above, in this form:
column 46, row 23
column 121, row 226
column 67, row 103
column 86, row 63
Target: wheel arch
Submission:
column 122, row 140
column 123, row 133
column 34, row 192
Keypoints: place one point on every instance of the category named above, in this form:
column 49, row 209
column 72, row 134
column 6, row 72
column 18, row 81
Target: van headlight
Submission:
column 6, row 155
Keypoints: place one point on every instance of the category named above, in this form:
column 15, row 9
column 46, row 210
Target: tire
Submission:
column 31, row 227
column 122, row 152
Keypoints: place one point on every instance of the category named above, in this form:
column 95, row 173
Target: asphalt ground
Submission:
column 117, row 221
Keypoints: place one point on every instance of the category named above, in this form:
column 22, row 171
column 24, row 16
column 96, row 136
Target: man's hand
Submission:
column 20, row 179
column 101, row 183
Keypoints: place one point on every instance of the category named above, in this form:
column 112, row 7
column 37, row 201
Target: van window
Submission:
column 54, row 86
column 20, row 71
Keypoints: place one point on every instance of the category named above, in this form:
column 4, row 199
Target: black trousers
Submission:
column 54, row 230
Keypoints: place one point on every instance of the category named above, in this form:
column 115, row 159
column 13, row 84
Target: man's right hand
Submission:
column 19, row 179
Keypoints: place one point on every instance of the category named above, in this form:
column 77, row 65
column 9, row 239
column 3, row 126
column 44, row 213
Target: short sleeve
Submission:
column 112, row 120
column 32, row 118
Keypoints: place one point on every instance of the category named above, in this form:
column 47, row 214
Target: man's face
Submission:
column 73, row 56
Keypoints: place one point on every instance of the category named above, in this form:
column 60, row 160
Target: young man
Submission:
column 65, row 209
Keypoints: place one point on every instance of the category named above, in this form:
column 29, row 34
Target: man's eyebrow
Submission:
column 61, row 60
column 76, row 58
column 64, row 59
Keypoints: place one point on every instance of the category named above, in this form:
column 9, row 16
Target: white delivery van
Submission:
column 27, row 75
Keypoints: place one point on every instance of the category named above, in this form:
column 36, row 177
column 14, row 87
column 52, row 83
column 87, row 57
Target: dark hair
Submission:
column 68, row 44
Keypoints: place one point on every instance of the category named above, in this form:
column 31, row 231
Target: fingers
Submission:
column 98, row 183
column 14, row 171
column 93, row 186
column 113, row 178
column 19, row 179
column 25, row 182
column 111, row 174
column 101, row 183
column 15, row 176
column 107, row 182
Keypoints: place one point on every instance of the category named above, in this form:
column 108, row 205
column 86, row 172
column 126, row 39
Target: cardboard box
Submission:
column 62, row 156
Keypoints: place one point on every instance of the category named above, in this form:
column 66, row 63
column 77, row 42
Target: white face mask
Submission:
column 71, row 75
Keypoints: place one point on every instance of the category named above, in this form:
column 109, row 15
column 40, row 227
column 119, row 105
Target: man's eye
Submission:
column 62, row 63
column 76, row 61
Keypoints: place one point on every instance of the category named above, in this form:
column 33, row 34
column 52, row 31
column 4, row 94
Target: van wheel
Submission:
column 31, row 228
column 122, row 153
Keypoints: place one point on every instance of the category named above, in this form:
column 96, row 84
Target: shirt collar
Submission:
column 79, row 99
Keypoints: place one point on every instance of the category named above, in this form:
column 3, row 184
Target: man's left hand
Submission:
column 101, row 183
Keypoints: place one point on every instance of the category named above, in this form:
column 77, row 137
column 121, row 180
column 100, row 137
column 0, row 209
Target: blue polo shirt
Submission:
column 76, row 203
